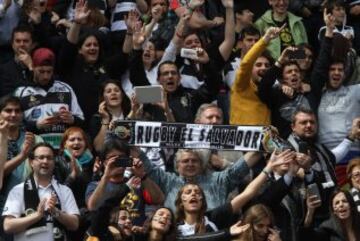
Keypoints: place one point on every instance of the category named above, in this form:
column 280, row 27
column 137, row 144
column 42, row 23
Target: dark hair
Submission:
column 301, row 109
column 91, row 33
column 166, row 62
column 22, row 29
column 171, row 234
column 198, row 34
column 250, row 30
column 125, row 103
column 290, row 63
column 41, row 144
column 355, row 217
column 240, row 6
column 340, row 48
column 266, row 54
column 9, row 99
column 331, row 4
column 180, row 212
column 114, row 144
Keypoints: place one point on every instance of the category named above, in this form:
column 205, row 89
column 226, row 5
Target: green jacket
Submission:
column 296, row 26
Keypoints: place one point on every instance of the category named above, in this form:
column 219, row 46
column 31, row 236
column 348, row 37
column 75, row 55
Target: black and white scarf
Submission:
column 356, row 196
column 32, row 200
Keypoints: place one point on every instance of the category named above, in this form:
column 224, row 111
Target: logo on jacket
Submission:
column 35, row 113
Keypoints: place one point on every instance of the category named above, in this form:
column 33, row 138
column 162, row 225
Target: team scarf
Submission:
column 182, row 135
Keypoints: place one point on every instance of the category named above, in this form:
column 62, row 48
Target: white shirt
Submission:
column 15, row 207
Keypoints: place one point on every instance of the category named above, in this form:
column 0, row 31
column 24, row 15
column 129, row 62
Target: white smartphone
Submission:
column 149, row 94
column 188, row 53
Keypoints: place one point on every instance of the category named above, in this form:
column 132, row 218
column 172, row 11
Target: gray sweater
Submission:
column 216, row 185
column 336, row 112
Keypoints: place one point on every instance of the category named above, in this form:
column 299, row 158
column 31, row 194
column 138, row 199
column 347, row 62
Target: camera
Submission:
column 123, row 162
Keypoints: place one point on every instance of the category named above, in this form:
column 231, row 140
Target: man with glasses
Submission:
column 183, row 102
column 40, row 208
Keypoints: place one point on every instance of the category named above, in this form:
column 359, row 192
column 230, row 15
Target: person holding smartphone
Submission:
column 114, row 105
column 343, row 224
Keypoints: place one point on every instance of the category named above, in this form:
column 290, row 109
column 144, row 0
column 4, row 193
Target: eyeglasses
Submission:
column 355, row 175
column 43, row 157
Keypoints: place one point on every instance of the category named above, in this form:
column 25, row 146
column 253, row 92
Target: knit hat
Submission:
column 43, row 56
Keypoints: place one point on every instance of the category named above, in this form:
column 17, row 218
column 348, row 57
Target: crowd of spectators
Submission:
column 68, row 69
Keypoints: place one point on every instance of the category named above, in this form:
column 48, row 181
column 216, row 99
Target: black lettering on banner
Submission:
column 148, row 133
column 239, row 138
column 183, row 134
column 175, row 135
column 209, row 134
column 163, row 133
column 202, row 135
column 247, row 139
column 224, row 134
column 172, row 130
column 255, row 139
column 190, row 134
column 140, row 134
column 231, row 137
column 156, row 134
column 215, row 137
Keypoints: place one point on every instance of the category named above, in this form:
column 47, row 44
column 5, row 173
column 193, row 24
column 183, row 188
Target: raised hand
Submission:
column 238, row 229
column 272, row 33
column 35, row 15
column 202, row 55
column 313, row 202
column 75, row 170
column 139, row 35
column 284, row 157
column 25, row 58
column 131, row 19
column 274, row 235
column 4, row 128
column 329, row 20
column 41, row 207
column 196, row 3
column 228, row 3
column 134, row 182
column 81, row 12
column 156, row 13
column 287, row 90
column 54, row 17
column 284, row 57
column 104, row 114
column 355, row 129
column 28, row 144
column 138, row 168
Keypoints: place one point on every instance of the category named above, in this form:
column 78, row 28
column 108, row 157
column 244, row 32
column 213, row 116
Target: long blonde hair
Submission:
column 253, row 216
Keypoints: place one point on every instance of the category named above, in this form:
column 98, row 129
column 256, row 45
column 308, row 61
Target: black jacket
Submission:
column 13, row 75
column 85, row 79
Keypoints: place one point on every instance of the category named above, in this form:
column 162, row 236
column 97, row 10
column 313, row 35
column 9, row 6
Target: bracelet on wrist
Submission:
column 105, row 124
column 267, row 172
column 180, row 36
